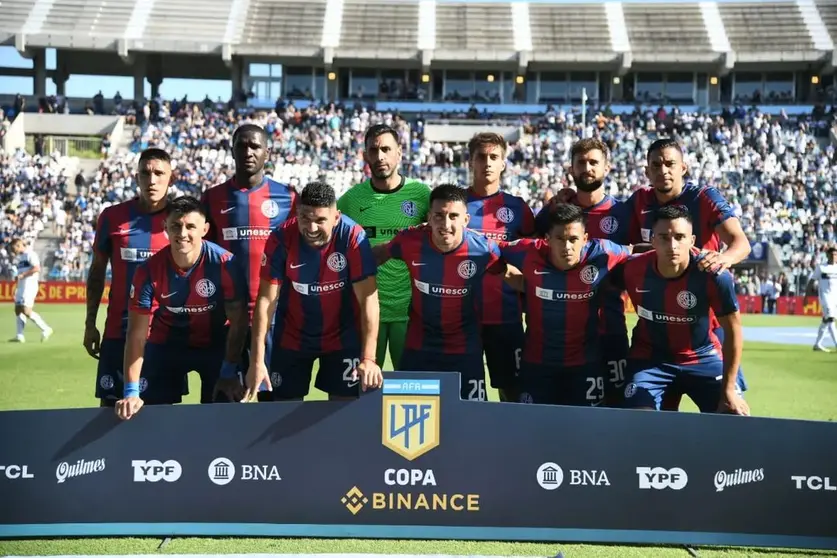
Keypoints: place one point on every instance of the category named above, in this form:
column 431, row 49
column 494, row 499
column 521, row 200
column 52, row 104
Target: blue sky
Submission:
column 88, row 86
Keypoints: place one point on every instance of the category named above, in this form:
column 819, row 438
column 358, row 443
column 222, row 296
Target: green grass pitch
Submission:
column 786, row 381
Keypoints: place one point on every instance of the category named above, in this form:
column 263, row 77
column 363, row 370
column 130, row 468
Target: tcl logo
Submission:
column 813, row 483
column 154, row 471
column 660, row 479
column 16, row 472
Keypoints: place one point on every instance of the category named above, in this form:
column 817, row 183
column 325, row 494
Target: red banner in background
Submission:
column 52, row 291
column 785, row 305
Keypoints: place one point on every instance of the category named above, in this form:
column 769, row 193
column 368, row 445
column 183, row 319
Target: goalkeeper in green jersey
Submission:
column 384, row 205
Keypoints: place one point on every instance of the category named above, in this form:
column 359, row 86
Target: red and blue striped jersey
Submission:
column 317, row 310
column 241, row 220
column 562, row 311
column 127, row 236
column 446, row 289
column 188, row 306
column 706, row 205
column 677, row 317
column 500, row 217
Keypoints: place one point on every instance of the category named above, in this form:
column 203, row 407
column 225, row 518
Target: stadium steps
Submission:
column 14, row 16
column 828, row 15
column 363, row 33
column 556, row 33
column 715, row 29
column 662, row 32
column 816, row 27
column 771, row 31
column 236, row 21
column 205, row 25
column 289, row 22
column 427, row 25
column 482, row 29
column 37, row 16
column 107, row 18
column 521, row 26
column 332, row 24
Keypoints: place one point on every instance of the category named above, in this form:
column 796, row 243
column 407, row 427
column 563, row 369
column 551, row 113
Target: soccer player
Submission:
column 384, row 205
column 28, row 273
column 320, row 269
column 826, row 274
column 713, row 219
column 447, row 262
column 127, row 234
column 501, row 217
column 565, row 276
column 192, row 288
column 674, row 346
column 245, row 209
column 604, row 220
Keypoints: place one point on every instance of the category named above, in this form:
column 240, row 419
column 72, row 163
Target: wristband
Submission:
column 229, row 370
column 131, row 389
column 372, row 360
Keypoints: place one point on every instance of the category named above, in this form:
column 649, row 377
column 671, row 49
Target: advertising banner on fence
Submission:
column 52, row 291
column 413, row 461
column 786, row 305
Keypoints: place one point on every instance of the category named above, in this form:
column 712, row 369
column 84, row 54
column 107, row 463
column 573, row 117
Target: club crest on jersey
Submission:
column 467, row 269
column 589, row 274
column 270, row 209
column 409, row 208
column 336, row 262
column 504, row 215
column 609, row 225
column 205, row 288
column 687, row 300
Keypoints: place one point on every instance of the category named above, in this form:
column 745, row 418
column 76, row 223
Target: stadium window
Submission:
column 680, row 87
column 259, row 70
column 365, row 83
column 702, row 90
column 320, row 84
column 747, row 86
column 649, row 87
column 459, row 85
column 779, row 87
column 297, row 81
column 507, row 87
column 487, row 87
column 553, row 87
column 580, row 81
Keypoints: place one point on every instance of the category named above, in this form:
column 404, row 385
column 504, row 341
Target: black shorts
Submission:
column 290, row 373
column 615, row 362
column 503, row 346
column 165, row 368
column 110, row 379
column 579, row 386
column 469, row 366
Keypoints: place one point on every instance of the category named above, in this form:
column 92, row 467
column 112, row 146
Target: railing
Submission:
column 69, row 146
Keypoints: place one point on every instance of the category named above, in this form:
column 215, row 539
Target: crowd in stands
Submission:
column 778, row 172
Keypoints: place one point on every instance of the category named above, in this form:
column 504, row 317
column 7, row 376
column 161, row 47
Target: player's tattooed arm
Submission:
column 514, row 277
column 95, row 290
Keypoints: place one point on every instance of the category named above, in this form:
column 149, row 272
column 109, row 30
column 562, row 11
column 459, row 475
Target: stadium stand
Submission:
column 466, row 31
column 89, row 18
column 671, row 28
column 297, row 25
column 555, row 33
column 363, row 34
column 767, row 31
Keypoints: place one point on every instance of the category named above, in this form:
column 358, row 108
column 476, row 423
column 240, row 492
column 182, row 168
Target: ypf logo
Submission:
column 155, row 471
column 660, row 479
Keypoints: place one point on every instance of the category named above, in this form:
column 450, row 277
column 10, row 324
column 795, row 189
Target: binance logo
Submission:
column 354, row 500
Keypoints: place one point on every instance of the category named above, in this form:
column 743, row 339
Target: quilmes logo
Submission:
column 81, row 467
column 723, row 479
column 411, row 416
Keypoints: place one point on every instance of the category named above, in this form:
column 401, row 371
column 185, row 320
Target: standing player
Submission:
column 320, row 268
column 713, row 219
column 28, row 273
column 674, row 346
column 192, row 288
column 384, row 205
column 243, row 210
column 826, row 274
column 447, row 262
column 500, row 217
column 604, row 220
column 127, row 234
column 565, row 275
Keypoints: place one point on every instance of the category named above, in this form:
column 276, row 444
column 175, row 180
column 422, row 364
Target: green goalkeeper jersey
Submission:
column 383, row 214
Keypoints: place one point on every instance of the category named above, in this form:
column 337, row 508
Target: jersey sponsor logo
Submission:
column 686, row 300
column 646, row 235
column 658, row 478
column 222, row 471
column 155, row 471
column 202, row 309
column 135, row 254
column 550, row 476
column 553, row 295
column 653, row 316
column 609, row 224
column 169, row 295
column 336, row 262
column 409, row 208
column 443, row 291
column 311, row 289
column 66, row 471
column 270, row 209
column 14, row 472
column 589, row 274
column 227, row 210
column 504, row 215
column 244, row 233
column 495, row 235
column 205, row 288
column 467, row 269
column 411, row 417
column 738, row 477
column 814, row 483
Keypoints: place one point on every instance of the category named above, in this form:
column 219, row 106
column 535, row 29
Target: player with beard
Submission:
column 243, row 211
column 502, row 217
column 603, row 215
column 384, row 205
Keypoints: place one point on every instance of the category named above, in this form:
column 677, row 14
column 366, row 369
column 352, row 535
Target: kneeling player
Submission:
column 197, row 287
column 565, row 280
column 320, row 268
column 673, row 345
